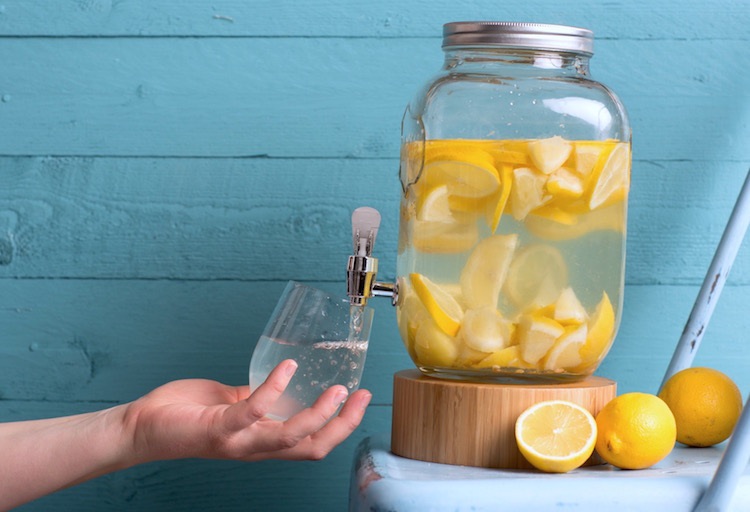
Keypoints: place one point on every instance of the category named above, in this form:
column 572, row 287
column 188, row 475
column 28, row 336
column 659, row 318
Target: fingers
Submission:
column 257, row 405
column 321, row 440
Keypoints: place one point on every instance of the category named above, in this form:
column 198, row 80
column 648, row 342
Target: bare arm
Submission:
column 188, row 418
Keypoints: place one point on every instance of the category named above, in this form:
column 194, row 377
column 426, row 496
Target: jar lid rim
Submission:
column 511, row 34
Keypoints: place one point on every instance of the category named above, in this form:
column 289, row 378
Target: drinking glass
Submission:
column 327, row 338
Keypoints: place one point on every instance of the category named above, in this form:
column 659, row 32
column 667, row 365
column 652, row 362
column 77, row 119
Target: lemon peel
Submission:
column 443, row 308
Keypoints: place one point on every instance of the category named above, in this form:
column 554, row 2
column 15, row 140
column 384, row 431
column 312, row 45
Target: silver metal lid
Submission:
column 508, row 34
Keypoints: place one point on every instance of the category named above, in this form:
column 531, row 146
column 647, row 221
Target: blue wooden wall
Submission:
column 166, row 166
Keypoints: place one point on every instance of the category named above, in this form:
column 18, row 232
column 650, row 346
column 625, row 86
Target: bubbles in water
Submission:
column 353, row 365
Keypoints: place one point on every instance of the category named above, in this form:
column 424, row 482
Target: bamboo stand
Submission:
column 473, row 424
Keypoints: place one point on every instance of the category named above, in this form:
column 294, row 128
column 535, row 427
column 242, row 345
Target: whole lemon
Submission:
column 635, row 431
column 706, row 405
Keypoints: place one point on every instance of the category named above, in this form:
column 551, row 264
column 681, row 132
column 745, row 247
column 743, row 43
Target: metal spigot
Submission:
column 362, row 268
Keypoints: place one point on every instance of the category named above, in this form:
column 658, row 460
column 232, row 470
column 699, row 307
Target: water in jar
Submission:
column 511, row 255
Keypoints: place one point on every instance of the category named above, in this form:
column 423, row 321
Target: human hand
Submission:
column 204, row 418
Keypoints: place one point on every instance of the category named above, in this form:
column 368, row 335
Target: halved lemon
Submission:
column 556, row 436
column 536, row 276
column 441, row 305
column 486, row 270
column 612, row 182
column 550, row 154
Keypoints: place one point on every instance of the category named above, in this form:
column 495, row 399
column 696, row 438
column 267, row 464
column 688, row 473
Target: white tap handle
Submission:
column 365, row 224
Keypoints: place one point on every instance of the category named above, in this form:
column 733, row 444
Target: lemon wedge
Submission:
column 536, row 335
column 612, row 181
column 556, row 436
column 433, row 347
column 585, row 156
column 536, row 276
column 443, row 308
column 486, row 270
column 472, row 176
column 550, row 154
column 565, row 353
column 568, row 309
column 495, row 209
column 485, row 330
column 409, row 315
column 564, row 184
column 434, row 206
column 601, row 329
column 527, row 192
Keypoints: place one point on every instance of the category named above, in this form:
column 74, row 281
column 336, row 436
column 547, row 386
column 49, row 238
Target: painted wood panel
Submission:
column 166, row 166
column 70, row 346
column 317, row 97
column 276, row 219
column 639, row 19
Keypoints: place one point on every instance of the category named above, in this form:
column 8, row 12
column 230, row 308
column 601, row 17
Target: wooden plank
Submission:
column 104, row 341
column 99, row 340
column 638, row 19
column 317, row 97
column 278, row 219
column 190, row 218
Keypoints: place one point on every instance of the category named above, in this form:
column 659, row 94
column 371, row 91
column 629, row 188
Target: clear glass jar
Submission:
column 515, row 168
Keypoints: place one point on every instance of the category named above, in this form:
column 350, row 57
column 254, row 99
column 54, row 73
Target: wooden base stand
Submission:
column 472, row 424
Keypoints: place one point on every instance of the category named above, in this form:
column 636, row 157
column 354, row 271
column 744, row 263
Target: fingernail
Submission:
column 291, row 367
column 365, row 401
column 340, row 397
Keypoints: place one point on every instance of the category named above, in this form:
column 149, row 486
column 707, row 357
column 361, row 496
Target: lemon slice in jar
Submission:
column 536, row 276
column 601, row 328
column 612, row 180
column 550, row 154
column 536, row 335
column 565, row 354
column 468, row 172
column 441, row 305
column 485, row 330
column 486, row 270
column 527, row 192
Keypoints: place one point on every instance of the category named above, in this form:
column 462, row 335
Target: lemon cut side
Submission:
column 556, row 436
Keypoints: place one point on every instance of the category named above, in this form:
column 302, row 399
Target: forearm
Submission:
column 42, row 456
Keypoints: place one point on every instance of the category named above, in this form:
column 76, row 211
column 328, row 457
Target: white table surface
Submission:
column 381, row 481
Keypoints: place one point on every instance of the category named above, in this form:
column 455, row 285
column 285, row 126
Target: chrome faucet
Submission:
column 362, row 268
